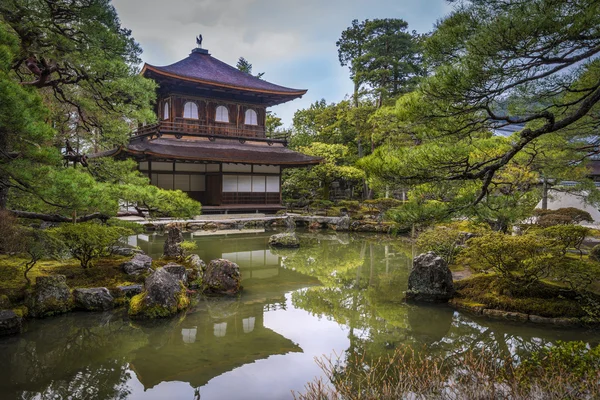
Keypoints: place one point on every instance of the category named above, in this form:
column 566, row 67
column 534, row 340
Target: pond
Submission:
column 339, row 294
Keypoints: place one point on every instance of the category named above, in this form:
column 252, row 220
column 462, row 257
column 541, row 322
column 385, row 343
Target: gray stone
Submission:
column 172, row 247
column 430, row 279
column 290, row 224
column 139, row 264
column 178, row 271
column 288, row 239
column 341, row 223
column 222, row 277
column 164, row 296
column 93, row 299
column 130, row 290
column 50, row 296
column 125, row 251
column 10, row 323
column 196, row 262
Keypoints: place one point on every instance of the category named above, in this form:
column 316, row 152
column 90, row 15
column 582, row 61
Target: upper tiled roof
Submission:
column 201, row 67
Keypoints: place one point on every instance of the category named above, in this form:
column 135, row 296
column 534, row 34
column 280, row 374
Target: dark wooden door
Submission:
column 213, row 190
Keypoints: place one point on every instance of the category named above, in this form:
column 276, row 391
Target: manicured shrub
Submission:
column 38, row 244
column 188, row 247
column 561, row 216
column 443, row 241
column 566, row 236
column 88, row 241
column 383, row 204
column 350, row 205
column 595, row 253
column 519, row 260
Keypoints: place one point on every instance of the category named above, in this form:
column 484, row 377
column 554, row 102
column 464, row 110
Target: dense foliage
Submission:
column 69, row 80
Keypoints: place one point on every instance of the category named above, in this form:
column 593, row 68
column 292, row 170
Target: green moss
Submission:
column 542, row 298
column 139, row 310
column 21, row 311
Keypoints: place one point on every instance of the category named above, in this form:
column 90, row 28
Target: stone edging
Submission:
column 514, row 316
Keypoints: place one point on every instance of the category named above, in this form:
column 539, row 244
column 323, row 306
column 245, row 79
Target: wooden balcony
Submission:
column 187, row 127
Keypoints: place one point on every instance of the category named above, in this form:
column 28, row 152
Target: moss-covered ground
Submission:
column 545, row 299
column 106, row 272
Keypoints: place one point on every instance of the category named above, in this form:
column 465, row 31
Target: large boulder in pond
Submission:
column 164, row 296
column 139, row 264
column 93, row 299
column 172, row 247
column 50, row 296
column 430, row 279
column 10, row 323
column 221, row 277
column 287, row 239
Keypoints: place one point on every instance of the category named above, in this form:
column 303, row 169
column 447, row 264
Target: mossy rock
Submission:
column 164, row 297
column 50, row 296
column 288, row 239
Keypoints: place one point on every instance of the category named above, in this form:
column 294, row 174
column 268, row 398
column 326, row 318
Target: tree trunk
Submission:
column 56, row 217
column 545, row 194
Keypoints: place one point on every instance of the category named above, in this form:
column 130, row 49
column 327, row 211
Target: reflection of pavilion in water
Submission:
column 216, row 337
column 250, row 251
column 219, row 334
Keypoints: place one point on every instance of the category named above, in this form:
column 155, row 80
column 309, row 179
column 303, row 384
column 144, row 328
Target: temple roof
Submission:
column 201, row 67
column 218, row 150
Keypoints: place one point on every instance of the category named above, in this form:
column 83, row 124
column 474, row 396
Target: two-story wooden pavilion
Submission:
column 210, row 141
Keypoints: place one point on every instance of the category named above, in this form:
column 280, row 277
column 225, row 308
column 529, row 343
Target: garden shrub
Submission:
column 595, row 253
column 383, row 204
column 38, row 244
column 350, row 205
column 561, row 216
column 88, row 241
column 519, row 260
column 187, row 246
column 566, row 236
column 443, row 241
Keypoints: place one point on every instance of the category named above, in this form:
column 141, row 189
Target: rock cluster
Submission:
column 430, row 279
column 288, row 239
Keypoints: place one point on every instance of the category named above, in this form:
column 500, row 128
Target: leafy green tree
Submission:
column 543, row 73
column 309, row 183
column 88, row 241
column 68, row 71
column 382, row 55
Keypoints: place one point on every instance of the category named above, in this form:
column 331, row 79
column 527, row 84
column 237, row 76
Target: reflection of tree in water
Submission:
column 71, row 357
column 363, row 285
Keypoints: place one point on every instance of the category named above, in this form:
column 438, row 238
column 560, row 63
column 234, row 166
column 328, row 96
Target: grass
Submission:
column 565, row 371
column 543, row 298
column 105, row 273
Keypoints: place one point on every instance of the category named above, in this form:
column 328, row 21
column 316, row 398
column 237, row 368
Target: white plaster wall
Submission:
column 558, row 200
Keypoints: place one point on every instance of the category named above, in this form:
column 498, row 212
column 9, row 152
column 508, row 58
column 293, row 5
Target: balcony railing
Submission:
column 196, row 128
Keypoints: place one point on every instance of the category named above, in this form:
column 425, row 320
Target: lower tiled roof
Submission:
column 219, row 150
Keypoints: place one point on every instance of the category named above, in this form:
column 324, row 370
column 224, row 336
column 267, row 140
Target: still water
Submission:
column 337, row 295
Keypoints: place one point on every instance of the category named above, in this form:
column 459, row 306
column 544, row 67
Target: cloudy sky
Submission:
column 292, row 41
